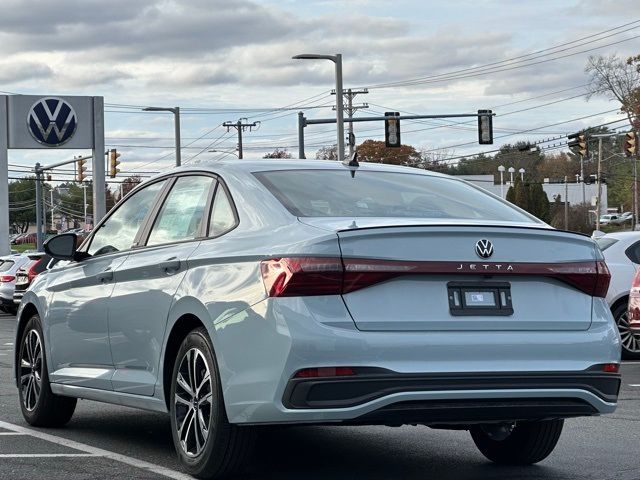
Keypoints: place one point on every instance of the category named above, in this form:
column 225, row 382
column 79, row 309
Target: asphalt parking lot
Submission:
column 105, row 442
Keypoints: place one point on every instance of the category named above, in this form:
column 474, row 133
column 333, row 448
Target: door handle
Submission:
column 170, row 265
column 105, row 276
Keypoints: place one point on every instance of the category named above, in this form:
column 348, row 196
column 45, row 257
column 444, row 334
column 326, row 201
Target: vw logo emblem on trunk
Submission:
column 484, row 248
column 52, row 121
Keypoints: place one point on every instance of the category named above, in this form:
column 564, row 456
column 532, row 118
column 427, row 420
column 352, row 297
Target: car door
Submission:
column 148, row 279
column 78, row 313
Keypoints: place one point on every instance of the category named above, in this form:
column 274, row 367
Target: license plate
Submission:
column 484, row 299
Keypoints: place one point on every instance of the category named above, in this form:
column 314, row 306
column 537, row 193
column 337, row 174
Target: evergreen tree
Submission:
column 521, row 195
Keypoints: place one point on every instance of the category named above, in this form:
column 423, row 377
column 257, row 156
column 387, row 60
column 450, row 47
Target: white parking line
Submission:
column 12, row 433
column 45, row 455
column 634, row 384
column 134, row 462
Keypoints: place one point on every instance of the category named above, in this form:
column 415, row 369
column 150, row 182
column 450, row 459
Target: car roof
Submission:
column 621, row 235
column 267, row 164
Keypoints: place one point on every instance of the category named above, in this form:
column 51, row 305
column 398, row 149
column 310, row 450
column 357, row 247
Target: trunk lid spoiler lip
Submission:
column 466, row 225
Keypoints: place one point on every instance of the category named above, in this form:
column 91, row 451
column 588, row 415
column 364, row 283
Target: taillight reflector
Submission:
column 611, row 367
column 7, row 278
column 633, row 312
column 325, row 372
column 303, row 276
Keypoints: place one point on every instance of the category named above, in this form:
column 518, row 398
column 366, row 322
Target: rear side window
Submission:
column 633, row 252
column 223, row 216
column 335, row 193
column 6, row 265
column 182, row 213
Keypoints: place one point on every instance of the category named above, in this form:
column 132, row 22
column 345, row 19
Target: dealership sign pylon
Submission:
column 53, row 123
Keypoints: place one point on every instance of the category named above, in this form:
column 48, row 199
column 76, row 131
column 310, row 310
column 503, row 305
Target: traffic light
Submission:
column 485, row 127
column 113, row 163
column 80, row 169
column 579, row 143
column 631, row 144
column 392, row 130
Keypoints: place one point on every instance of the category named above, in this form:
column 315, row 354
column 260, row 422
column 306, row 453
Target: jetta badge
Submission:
column 484, row 248
column 52, row 121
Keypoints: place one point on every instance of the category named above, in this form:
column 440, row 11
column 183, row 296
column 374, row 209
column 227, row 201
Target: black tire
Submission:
column 528, row 442
column 40, row 406
column 630, row 340
column 226, row 448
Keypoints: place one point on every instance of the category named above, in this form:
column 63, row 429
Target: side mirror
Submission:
column 62, row 247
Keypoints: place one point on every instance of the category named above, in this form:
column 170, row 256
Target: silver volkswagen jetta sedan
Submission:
column 246, row 293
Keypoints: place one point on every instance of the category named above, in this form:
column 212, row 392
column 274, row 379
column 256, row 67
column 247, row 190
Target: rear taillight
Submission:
column 634, row 303
column 303, row 276
column 31, row 271
column 7, row 278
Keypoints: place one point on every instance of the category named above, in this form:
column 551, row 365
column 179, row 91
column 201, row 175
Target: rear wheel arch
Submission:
column 181, row 328
column 28, row 311
column 620, row 301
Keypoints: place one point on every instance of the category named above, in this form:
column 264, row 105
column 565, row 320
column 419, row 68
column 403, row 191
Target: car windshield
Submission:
column 335, row 193
column 605, row 242
column 5, row 265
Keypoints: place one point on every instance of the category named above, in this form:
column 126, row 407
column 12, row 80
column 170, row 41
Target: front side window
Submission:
column 335, row 193
column 119, row 231
column 182, row 213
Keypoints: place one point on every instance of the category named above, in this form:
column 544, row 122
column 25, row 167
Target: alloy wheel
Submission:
column 31, row 370
column 630, row 339
column 193, row 402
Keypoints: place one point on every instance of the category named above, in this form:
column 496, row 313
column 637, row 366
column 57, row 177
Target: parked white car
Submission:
column 609, row 219
column 622, row 253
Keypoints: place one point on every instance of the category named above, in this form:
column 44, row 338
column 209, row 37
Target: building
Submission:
column 573, row 189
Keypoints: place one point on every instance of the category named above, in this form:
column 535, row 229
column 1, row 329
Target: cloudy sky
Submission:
column 222, row 60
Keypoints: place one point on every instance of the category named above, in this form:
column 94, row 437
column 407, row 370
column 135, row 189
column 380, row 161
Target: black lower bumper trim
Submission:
column 465, row 412
column 369, row 384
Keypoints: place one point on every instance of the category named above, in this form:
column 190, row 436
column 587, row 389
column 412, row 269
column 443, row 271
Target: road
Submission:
column 105, row 442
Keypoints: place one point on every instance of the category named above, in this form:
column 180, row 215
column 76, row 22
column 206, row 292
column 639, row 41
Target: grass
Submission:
column 23, row 247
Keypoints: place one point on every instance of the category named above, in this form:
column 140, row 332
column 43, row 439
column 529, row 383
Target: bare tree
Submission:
column 278, row 153
column 614, row 78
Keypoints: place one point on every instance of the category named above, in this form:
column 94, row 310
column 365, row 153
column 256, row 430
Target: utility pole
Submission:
column 351, row 109
column 84, row 191
column 240, row 126
column 566, row 204
column 635, row 192
column 584, row 194
column 598, row 207
column 51, row 192
column 38, row 172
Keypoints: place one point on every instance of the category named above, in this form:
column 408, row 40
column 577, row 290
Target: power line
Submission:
column 483, row 69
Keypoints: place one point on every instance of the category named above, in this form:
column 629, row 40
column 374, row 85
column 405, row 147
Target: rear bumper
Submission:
column 370, row 384
column 431, row 369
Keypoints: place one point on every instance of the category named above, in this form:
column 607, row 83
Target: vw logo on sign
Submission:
column 484, row 248
column 52, row 121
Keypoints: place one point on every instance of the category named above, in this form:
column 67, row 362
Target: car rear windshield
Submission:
column 335, row 193
column 6, row 265
column 605, row 242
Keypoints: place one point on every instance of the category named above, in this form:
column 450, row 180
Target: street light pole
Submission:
column 511, row 172
column 337, row 60
column 522, row 170
column 176, row 118
column 501, row 170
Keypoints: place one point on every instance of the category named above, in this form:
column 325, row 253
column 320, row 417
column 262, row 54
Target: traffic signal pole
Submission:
column 303, row 122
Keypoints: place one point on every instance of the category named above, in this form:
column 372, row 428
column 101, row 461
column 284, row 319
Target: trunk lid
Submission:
column 535, row 263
